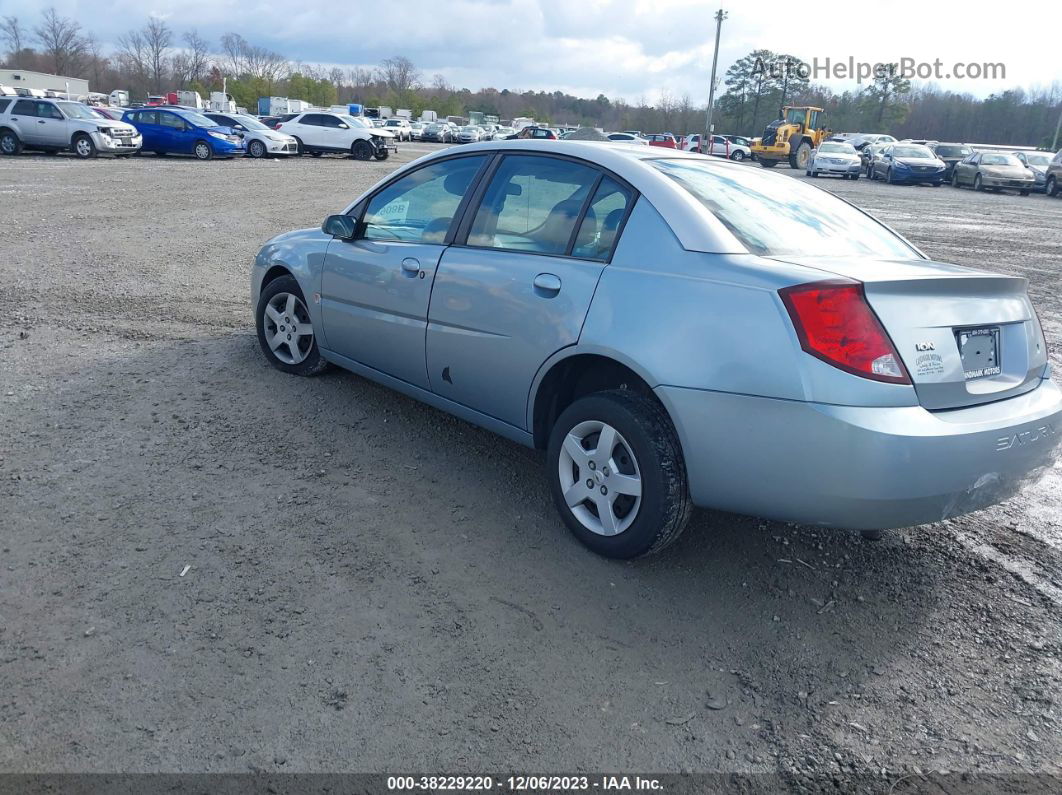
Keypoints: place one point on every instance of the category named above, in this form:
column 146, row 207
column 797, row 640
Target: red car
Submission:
column 114, row 114
column 666, row 140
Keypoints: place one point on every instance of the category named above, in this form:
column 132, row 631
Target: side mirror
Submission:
column 343, row 127
column 342, row 226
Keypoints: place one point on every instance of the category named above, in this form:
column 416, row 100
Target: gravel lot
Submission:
column 375, row 586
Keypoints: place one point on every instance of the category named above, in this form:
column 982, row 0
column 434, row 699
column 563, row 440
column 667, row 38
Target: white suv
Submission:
column 317, row 132
column 55, row 124
column 401, row 128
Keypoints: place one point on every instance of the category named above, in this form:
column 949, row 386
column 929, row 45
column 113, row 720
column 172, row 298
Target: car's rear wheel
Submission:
column 738, row 155
column 617, row 475
column 256, row 149
column 84, row 148
column 1051, row 189
column 955, row 179
column 9, row 143
column 1023, row 193
column 316, row 153
column 361, row 150
column 285, row 330
column 203, row 150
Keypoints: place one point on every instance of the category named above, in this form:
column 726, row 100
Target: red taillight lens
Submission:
column 836, row 324
column 278, row 125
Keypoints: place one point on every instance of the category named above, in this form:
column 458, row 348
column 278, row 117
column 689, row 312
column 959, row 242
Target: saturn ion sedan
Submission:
column 672, row 331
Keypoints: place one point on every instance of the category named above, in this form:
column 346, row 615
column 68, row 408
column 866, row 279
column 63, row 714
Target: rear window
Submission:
column 773, row 215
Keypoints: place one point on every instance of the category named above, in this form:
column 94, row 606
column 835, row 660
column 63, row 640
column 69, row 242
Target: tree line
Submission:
column 154, row 59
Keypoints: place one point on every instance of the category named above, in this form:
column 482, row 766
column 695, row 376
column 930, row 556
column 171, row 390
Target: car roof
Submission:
column 693, row 224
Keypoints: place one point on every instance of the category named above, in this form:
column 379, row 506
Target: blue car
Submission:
column 184, row 132
column 908, row 164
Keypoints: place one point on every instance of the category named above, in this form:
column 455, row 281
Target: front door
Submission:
column 172, row 131
column 520, row 289
column 375, row 288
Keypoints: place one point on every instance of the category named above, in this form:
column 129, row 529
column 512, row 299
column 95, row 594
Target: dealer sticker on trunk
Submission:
column 979, row 351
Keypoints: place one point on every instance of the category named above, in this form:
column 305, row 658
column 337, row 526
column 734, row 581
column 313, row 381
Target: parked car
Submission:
column 114, row 114
column 259, row 139
column 534, row 132
column 869, row 387
column 415, row 129
column 1053, row 183
column 951, row 154
column 53, row 125
column 663, row 140
column 469, row 134
column 867, row 155
column 437, row 131
column 401, row 129
column 834, row 157
column 627, row 138
column 859, row 140
column 908, row 164
column 273, row 121
column 184, row 132
column 317, row 133
column 501, row 133
column 1037, row 163
column 721, row 147
column 993, row 171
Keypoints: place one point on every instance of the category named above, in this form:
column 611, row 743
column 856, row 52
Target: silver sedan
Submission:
column 672, row 331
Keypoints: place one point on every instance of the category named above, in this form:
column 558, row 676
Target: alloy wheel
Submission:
column 288, row 329
column 600, row 478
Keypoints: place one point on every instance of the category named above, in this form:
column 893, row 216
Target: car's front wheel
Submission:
column 617, row 474
column 978, row 183
column 203, row 151
column 738, row 155
column 256, row 149
column 361, row 150
column 285, row 330
column 84, row 148
column 1051, row 189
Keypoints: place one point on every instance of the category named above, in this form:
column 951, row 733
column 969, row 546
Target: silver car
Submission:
column 673, row 331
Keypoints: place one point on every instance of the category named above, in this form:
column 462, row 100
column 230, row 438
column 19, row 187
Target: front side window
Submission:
column 775, row 216
column 419, row 207
column 331, row 121
column 46, row 110
column 171, row 121
column 532, row 204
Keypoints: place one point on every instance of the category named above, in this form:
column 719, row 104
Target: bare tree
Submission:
column 97, row 61
column 197, row 55
column 62, row 41
column 133, row 56
column 399, row 74
column 234, row 46
column 157, row 37
column 14, row 35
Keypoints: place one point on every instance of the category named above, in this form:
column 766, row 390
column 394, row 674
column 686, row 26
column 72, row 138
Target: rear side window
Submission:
column 597, row 232
column 419, row 207
column 3, row 104
column 25, row 107
column 532, row 204
column 773, row 215
column 148, row 117
column 313, row 119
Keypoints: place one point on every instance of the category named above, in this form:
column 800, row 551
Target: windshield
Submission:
column 838, row 147
column 249, row 123
column 470, row 129
column 394, row 122
column 358, row 121
column 1000, row 160
column 198, row 119
column 776, row 216
column 1038, row 159
column 953, row 151
column 75, row 110
column 912, row 151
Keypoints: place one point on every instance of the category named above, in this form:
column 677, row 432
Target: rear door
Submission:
column 375, row 289
column 147, row 121
column 519, row 287
column 311, row 131
column 24, row 118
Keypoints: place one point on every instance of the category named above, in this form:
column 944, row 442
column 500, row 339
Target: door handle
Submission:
column 411, row 267
column 40, row 121
column 547, row 283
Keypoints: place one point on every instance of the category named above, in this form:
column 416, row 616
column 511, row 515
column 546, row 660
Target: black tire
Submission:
column 768, row 163
column 83, row 147
column 738, row 156
column 1023, row 193
column 256, row 149
column 1051, row 188
column 955, row 180
column 160, row 154
column 314, row 363
column 854, row 177
column 361, row 150
column 203, row 150
column 665, row 505
column 978, row 185
column 799, row 158
column 10, row 143
column 888, row 176
column 299, row 148
column 316, row 153
column 872, row 535
column 382, row 154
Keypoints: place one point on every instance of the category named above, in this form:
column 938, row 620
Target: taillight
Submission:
column 836, row 324
column 278, row 125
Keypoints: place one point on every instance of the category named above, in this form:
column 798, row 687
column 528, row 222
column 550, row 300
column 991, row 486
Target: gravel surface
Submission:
column 210, row 566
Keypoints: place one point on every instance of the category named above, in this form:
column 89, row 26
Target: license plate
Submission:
column 979, row 351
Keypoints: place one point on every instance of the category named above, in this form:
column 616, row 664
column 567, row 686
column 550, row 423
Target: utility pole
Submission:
column 706, row 142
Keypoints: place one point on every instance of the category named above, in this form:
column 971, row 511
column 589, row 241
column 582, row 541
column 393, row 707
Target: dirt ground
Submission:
column 373, row 585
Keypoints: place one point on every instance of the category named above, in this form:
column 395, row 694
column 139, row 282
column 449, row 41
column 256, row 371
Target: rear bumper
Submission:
column 861, row 467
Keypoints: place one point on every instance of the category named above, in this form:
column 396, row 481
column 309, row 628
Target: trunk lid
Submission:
column 965, row 336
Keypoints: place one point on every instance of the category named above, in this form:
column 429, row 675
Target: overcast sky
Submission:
column 621, row 48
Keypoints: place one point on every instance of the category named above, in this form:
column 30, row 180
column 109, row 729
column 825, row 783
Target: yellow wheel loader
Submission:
column 791, row 137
